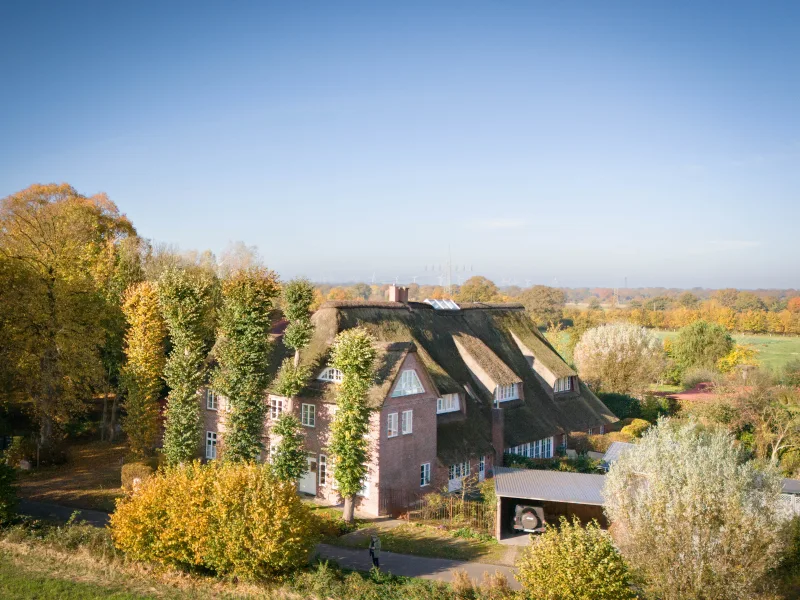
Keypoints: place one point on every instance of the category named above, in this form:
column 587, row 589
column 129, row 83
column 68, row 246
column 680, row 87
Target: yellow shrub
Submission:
column 135, row 473
column 635, row 428
column 232, row 519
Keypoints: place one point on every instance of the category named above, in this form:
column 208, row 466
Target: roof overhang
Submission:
column 549, row 486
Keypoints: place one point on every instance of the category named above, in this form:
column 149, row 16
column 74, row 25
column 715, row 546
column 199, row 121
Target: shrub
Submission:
column 701, row 344
column 20, row 449
column 583, row 443
column 135, row 473
column 8, row 494
column 791, row 373
column 579, row 464
column 622, row 405
column 232, row 519
column 694, row 376
column 636, row 428
column 570, row 562
column 654, row 407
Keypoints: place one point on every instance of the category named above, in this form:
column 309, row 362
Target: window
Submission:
column 408, row 384
column 308, row 415
column 406, row 423
column 458, row 470
column 424, row 474
column 447, row 403
column 211, row 400
column 391, row 425
column 211, row 445
column 482, row 465
column 504, row 393
column 538, row 449
column 563, row 384
column 331, row 374
column 597, row 430
column 276, row 406
column 323, row 470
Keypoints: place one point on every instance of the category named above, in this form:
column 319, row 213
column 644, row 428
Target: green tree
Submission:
column 688, row 300
column 242, row 352
column 141, row 374
column 572, row 562
column 701, row 344
column 185, row 298
column 354, row 355
column 544, row 304
column 478, row 289
column 290, row 461
column 298, row 296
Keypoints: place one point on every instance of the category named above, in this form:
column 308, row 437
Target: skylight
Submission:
column 442, row 304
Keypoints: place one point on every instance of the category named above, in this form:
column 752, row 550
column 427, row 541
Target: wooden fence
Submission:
column 452, row 511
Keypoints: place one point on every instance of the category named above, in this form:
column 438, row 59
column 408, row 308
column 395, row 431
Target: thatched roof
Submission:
column 484, row 331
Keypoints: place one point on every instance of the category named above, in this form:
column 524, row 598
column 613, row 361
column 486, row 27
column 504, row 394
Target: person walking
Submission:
column 375, row 551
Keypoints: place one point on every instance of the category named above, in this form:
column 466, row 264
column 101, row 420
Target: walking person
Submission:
column 375, row 551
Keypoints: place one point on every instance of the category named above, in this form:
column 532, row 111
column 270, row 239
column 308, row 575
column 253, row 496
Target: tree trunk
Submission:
column 296, row 358
column 112, row 423
column 104, row 419
column 349, row 509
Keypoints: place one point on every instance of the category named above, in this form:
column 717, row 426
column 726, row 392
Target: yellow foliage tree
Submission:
column 740, row 355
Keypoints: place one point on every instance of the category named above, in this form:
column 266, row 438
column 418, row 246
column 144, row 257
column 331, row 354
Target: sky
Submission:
column 569, row 143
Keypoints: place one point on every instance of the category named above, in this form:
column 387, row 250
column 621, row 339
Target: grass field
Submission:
column 774, row 351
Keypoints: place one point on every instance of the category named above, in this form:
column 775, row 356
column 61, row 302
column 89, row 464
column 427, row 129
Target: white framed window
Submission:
column 277, row 405
column 407, row 422
column 482, row 465
column 331, row 374
column 391, row 425
column 211, row 400
column 563, row 384
column 458, row 470
column 322, row 469
column 424, row 474
column 308, row 415
column 211, row 445
column 408, row 384
column 538, row 449
column 448, row 403
column 504, row 393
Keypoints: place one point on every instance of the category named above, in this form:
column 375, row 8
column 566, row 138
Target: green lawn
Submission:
column 774, row 351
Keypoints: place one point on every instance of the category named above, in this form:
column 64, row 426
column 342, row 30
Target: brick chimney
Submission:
column 398, row 294
column 498, row 438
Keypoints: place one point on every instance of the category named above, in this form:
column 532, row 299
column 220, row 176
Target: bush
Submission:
column 636, row 428
column 231, row 519
column 790, row 374
column 135, row 473
column 654, row 407
column 701, row 344
column 20, row 449
column 570, row 562
column 583, row 443
column 579, row 464
column 622, row 405
column 694, row 376
column 8, row 494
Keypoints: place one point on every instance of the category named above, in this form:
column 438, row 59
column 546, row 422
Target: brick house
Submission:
column 455, row 388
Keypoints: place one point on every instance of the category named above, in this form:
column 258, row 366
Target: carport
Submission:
column 559, row 493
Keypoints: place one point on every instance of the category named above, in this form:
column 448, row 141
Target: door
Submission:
column 308, row 482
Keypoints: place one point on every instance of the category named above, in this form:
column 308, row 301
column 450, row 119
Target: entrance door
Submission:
column 308, row 482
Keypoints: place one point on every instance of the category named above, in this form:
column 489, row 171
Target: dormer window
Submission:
column 331, row 374
column 563, row 384
column 448, row 403
column 408, row 384
column 504, row 393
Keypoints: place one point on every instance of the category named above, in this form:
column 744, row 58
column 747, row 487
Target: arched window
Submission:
column 331, row 374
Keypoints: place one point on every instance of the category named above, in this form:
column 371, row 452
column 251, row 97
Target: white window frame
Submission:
column 448, row 403
column 331, row 374
column 211, row 400
column 308, row 415
column 407, row 422
column 424, row 474
column 408, row 384
column 211, row 445
column 277, row 406
column 322, row 470
column 458, row 471
column 392, row 429
column 482, row 465
column 506, row 393
column 563, row 384
column 539, row 449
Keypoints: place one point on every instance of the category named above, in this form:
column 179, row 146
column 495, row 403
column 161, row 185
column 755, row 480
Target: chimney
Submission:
column 498, row 437
column 398, row 294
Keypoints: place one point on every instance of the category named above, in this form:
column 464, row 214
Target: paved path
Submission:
column 441, row 569
column 412, row 566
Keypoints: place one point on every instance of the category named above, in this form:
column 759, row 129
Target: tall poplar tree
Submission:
column 298, row 296
column 291, row 459
column 242, row 351
column 185, row 297
column 354, row 355
column 141, row 374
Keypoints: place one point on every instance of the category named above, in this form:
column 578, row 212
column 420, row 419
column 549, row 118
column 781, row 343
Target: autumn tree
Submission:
column 692, row 515
column 290, row 461
column 701, row 344
column 142, row 372
column 688, row 300
column 544, row 304
column 773, row 415
column 242, row 353
column 354, row 355
column 619, row 357
column 59, row 250
column 726, row 297
column 477, row 289
column 185, row 300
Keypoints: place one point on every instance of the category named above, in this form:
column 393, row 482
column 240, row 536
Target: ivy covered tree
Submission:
column 354, row 355
column 298, row 296
column 290, row 461
column 141, row 374
column 242, row 351
column 185, row 297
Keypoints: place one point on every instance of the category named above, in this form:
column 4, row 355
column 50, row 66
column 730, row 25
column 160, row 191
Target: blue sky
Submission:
column 538, row 142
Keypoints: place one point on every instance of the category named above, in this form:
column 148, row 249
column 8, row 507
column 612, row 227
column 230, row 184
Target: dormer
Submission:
column 489, row 372
column 330, row 374
column 548, row 366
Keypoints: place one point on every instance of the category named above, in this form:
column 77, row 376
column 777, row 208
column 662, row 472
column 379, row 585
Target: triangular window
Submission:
column 408, row 384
